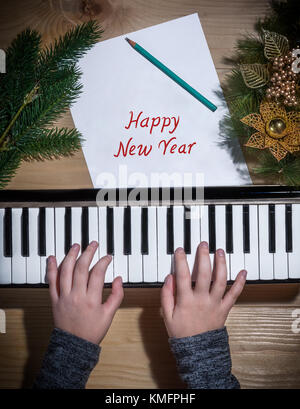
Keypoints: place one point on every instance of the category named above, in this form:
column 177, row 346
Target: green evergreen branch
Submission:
column 9, row 163
column 25, row 114
column 50, row 143
column 28, row 98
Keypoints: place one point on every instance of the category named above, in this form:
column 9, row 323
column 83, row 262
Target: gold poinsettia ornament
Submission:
column 278, row 130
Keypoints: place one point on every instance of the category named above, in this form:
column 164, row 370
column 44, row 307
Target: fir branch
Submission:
column 50, row 104
column 24, row 126
column 9, row 163
column 28, row 98
column 69, row 48
column 287, row 171
column 19, row 80
column 50, row 143
column 248, row 50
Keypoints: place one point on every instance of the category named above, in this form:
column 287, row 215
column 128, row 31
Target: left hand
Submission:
column 76, row 294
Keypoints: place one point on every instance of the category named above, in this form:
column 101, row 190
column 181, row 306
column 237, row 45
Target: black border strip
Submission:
column 210, row 193
column 158, row 285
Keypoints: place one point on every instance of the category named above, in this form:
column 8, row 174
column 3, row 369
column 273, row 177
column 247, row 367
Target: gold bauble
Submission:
column 276, row 128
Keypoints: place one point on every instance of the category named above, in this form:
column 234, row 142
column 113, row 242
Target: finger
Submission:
column 96, row 280
column 115, row 298
column 52, row 278
column 182, row 274
column 204, row 274
column 219, row 275
column 232, row 295
column 167, row 298
column 66, row 269
column 81, row 271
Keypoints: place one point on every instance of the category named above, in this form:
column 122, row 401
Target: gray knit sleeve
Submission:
column 204, row 361
column 68, row 362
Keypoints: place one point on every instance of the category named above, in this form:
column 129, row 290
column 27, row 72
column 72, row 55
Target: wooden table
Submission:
column 135, row 352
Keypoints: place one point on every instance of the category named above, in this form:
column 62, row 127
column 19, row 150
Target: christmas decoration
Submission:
column 277, row 130
column 38, row 87
column 263, row 92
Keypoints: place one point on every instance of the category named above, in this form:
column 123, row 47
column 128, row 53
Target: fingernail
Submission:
column 204, row 244
column 50, row 259
column 75, row 246
column 180, row 250
column 167, row 279
column 220, row 252
column 94, row 244
column 244, row 273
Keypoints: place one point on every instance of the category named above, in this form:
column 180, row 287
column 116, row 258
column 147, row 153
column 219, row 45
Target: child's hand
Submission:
column 193, row 311
column 76, row 294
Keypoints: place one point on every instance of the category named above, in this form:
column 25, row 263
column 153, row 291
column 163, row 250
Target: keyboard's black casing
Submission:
column 247, row 193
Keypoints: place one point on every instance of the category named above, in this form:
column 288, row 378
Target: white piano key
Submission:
column 33, row 262
column 221, row 233
column 294, row 257
column 59, row 234
column 93, row 231
column 237, row 260
column 204, row 235
column 150, row 259
column 266, row 259
column 195, row 235
column 178, row 212
column 252, row 259
column 135, row 260
column 18, row 266
column 76, row 226
column 280, row 255
column 5, row 262
column 109, row 275
column 120, row 259
column 163, row 259
column 50, row 241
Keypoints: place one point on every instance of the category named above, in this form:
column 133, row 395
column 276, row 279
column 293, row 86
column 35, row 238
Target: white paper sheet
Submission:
column 117, row 80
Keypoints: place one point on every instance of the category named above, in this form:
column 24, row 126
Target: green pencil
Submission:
column 172, row 75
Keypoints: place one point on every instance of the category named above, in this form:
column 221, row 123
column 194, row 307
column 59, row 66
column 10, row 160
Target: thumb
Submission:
column 167, row 297
column 116, row 296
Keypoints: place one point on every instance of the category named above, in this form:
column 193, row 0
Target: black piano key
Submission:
column 228, row 229
column 170, row 230
column 25, row 233
column 127, row 231
column 212, row 228
column 246, row 229
column 42, row 232
column 68, row 229
column 288, row 229
column 187, row 229
column 84, row 228
column 272, row 245
column 7, row 234
column 110, row 230
column 145, row 240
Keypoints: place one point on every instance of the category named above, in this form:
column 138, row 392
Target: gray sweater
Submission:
column 203, row 361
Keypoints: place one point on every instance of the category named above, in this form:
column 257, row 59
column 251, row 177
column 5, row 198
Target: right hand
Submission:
column 193, row 311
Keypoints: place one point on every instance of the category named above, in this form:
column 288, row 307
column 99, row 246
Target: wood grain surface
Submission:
column 135, row 353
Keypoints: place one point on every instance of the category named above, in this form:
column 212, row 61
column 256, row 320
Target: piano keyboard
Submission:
column 258, row 230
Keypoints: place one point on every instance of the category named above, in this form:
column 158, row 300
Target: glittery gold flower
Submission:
column 278, row 130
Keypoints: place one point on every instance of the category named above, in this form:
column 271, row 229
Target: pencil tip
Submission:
column 132, row 43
